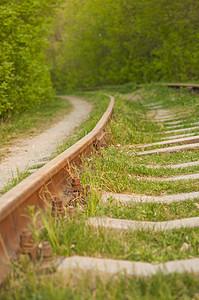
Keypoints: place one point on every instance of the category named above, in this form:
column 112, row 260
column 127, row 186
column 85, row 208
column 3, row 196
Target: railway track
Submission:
column 52, row 180
column 166, row 147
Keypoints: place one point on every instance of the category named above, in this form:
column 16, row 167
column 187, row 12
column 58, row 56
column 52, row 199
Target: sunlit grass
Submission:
column 26, row 284
column 155, row 212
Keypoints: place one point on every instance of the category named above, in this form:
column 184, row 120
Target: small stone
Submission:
column 31, row 171
column 169, row 248
column 71, row 211
column 196, row 205
column 184, row 247
column 40, row 245
column 196, row 296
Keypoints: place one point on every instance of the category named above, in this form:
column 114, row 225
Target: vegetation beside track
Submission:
column 31, row 286
column 118, row 172
column 155, row 212
column 171, row 158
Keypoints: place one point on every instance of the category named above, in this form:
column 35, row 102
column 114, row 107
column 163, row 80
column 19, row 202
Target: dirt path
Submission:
column 27, row 152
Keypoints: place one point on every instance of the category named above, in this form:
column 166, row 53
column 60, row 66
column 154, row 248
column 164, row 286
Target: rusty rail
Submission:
column 191, row 87
column 35, row 190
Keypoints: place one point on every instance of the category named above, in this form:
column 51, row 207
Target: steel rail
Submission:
column 190, row 86
column 51, row 178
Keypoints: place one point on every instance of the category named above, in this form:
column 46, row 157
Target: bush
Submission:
column 24, row 75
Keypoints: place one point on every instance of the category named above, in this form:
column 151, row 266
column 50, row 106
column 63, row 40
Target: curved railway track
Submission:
column 52, row 179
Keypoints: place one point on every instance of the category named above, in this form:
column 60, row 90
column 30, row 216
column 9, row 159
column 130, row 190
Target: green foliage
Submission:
column 24, row 75
column 92, row 43
column 112, row 42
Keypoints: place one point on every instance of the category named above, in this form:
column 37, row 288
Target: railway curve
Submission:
column 54, row 175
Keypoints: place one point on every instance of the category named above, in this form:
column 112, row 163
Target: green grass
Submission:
column 113, row 171
column 25, row 285
column 155, row 212
column 169, row 158
column 129, row 126
column 70, row 237
column 141, row 169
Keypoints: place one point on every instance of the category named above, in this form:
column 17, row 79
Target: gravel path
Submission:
column 27, row 152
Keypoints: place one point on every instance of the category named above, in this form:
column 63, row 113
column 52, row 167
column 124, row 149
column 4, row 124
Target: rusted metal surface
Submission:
column 46, row 252
column 71, row 211
column 77, row 189
column 190, row 87
column 183, row 85
column 27, row 245
column 39, row 189
column 57, row 207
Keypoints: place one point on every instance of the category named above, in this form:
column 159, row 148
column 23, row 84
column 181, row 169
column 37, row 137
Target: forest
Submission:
column 56, row 45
